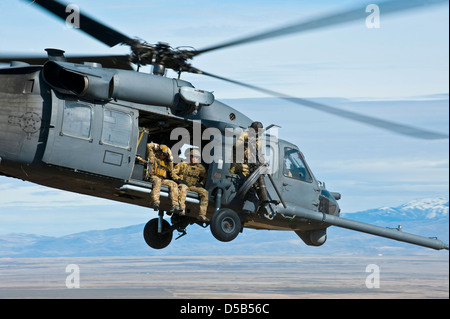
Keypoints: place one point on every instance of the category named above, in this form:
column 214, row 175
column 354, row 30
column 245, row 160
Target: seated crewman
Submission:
column 160, row 158
column 191, row 176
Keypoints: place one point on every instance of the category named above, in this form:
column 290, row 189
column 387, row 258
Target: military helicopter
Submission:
column 78, row 123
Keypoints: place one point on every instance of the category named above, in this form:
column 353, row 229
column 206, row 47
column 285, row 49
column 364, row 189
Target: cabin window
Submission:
column 117, row 128
column 77, row 120
column 294, row 166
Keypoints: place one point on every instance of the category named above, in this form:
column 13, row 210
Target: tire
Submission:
column 153, row 238
column 225, row 225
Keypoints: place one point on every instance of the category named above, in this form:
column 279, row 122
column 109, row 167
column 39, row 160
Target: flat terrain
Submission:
column 226, row 277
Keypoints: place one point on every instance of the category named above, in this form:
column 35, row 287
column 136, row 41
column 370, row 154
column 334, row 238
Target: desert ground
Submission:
column 226, row 277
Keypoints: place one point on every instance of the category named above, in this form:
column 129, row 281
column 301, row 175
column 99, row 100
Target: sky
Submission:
column 405, row 59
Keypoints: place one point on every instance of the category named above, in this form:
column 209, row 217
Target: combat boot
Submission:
column 175, row 209
column 202, row 218
column 155, row 205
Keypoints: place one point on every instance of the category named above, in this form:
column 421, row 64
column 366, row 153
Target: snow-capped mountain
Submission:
column 430, row 207
column 427, row 209
column 426, row 217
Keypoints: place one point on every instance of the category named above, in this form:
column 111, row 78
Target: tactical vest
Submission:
column 256, row 149
column 159, row 169
column 192, row 175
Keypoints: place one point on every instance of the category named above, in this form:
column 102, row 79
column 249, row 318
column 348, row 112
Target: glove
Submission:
column 140, row 160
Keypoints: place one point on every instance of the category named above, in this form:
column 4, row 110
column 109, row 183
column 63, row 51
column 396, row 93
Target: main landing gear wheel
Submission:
column 153, row 238
column 225, row 225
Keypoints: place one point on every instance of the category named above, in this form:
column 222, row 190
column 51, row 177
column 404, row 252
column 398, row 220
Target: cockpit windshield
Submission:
column 294, row 165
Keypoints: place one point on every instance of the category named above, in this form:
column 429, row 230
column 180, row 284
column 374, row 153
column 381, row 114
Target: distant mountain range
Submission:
column 425, row 209
column 427, row 217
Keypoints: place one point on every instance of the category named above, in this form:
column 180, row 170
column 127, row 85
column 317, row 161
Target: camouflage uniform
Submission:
column 160, row 172
column 243, row 166
column 252, row 159
column 192, row 177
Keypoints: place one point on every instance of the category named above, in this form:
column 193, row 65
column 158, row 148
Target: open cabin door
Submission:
column 94, row 138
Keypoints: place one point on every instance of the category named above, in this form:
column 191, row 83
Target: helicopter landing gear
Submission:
column 158, row 232
column 225, row 225
column 155, row 238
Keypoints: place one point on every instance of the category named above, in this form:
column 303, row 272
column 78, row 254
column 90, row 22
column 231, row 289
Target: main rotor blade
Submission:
column 89, row 25
column 358, row 13
column 107, row 61
column 379, row 123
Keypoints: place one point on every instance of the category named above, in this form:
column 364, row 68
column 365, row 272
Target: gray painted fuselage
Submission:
column 78, row 128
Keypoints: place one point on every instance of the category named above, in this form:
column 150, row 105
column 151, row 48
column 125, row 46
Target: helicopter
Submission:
column 78, row 123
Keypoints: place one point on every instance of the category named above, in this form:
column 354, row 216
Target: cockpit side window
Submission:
column 294, row 166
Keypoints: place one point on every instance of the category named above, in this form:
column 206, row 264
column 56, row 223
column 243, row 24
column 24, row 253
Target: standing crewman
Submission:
column 249, row 144
column 191, row 176
column 161, row 173
column 247, row 151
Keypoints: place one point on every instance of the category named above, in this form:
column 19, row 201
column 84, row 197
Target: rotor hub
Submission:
column 161, row 56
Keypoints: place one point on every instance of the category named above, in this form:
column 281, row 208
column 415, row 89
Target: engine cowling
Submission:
column 90, row 81
column 86, row 81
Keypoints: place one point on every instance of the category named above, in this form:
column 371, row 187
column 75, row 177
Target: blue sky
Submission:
column 406, row 58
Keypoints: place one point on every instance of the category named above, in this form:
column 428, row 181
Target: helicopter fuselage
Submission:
column 56, row 133
column 79, row 128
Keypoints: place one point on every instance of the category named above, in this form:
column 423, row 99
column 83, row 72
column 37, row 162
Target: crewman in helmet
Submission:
column 160, row 173
column 249, row 142
column 191, row 176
